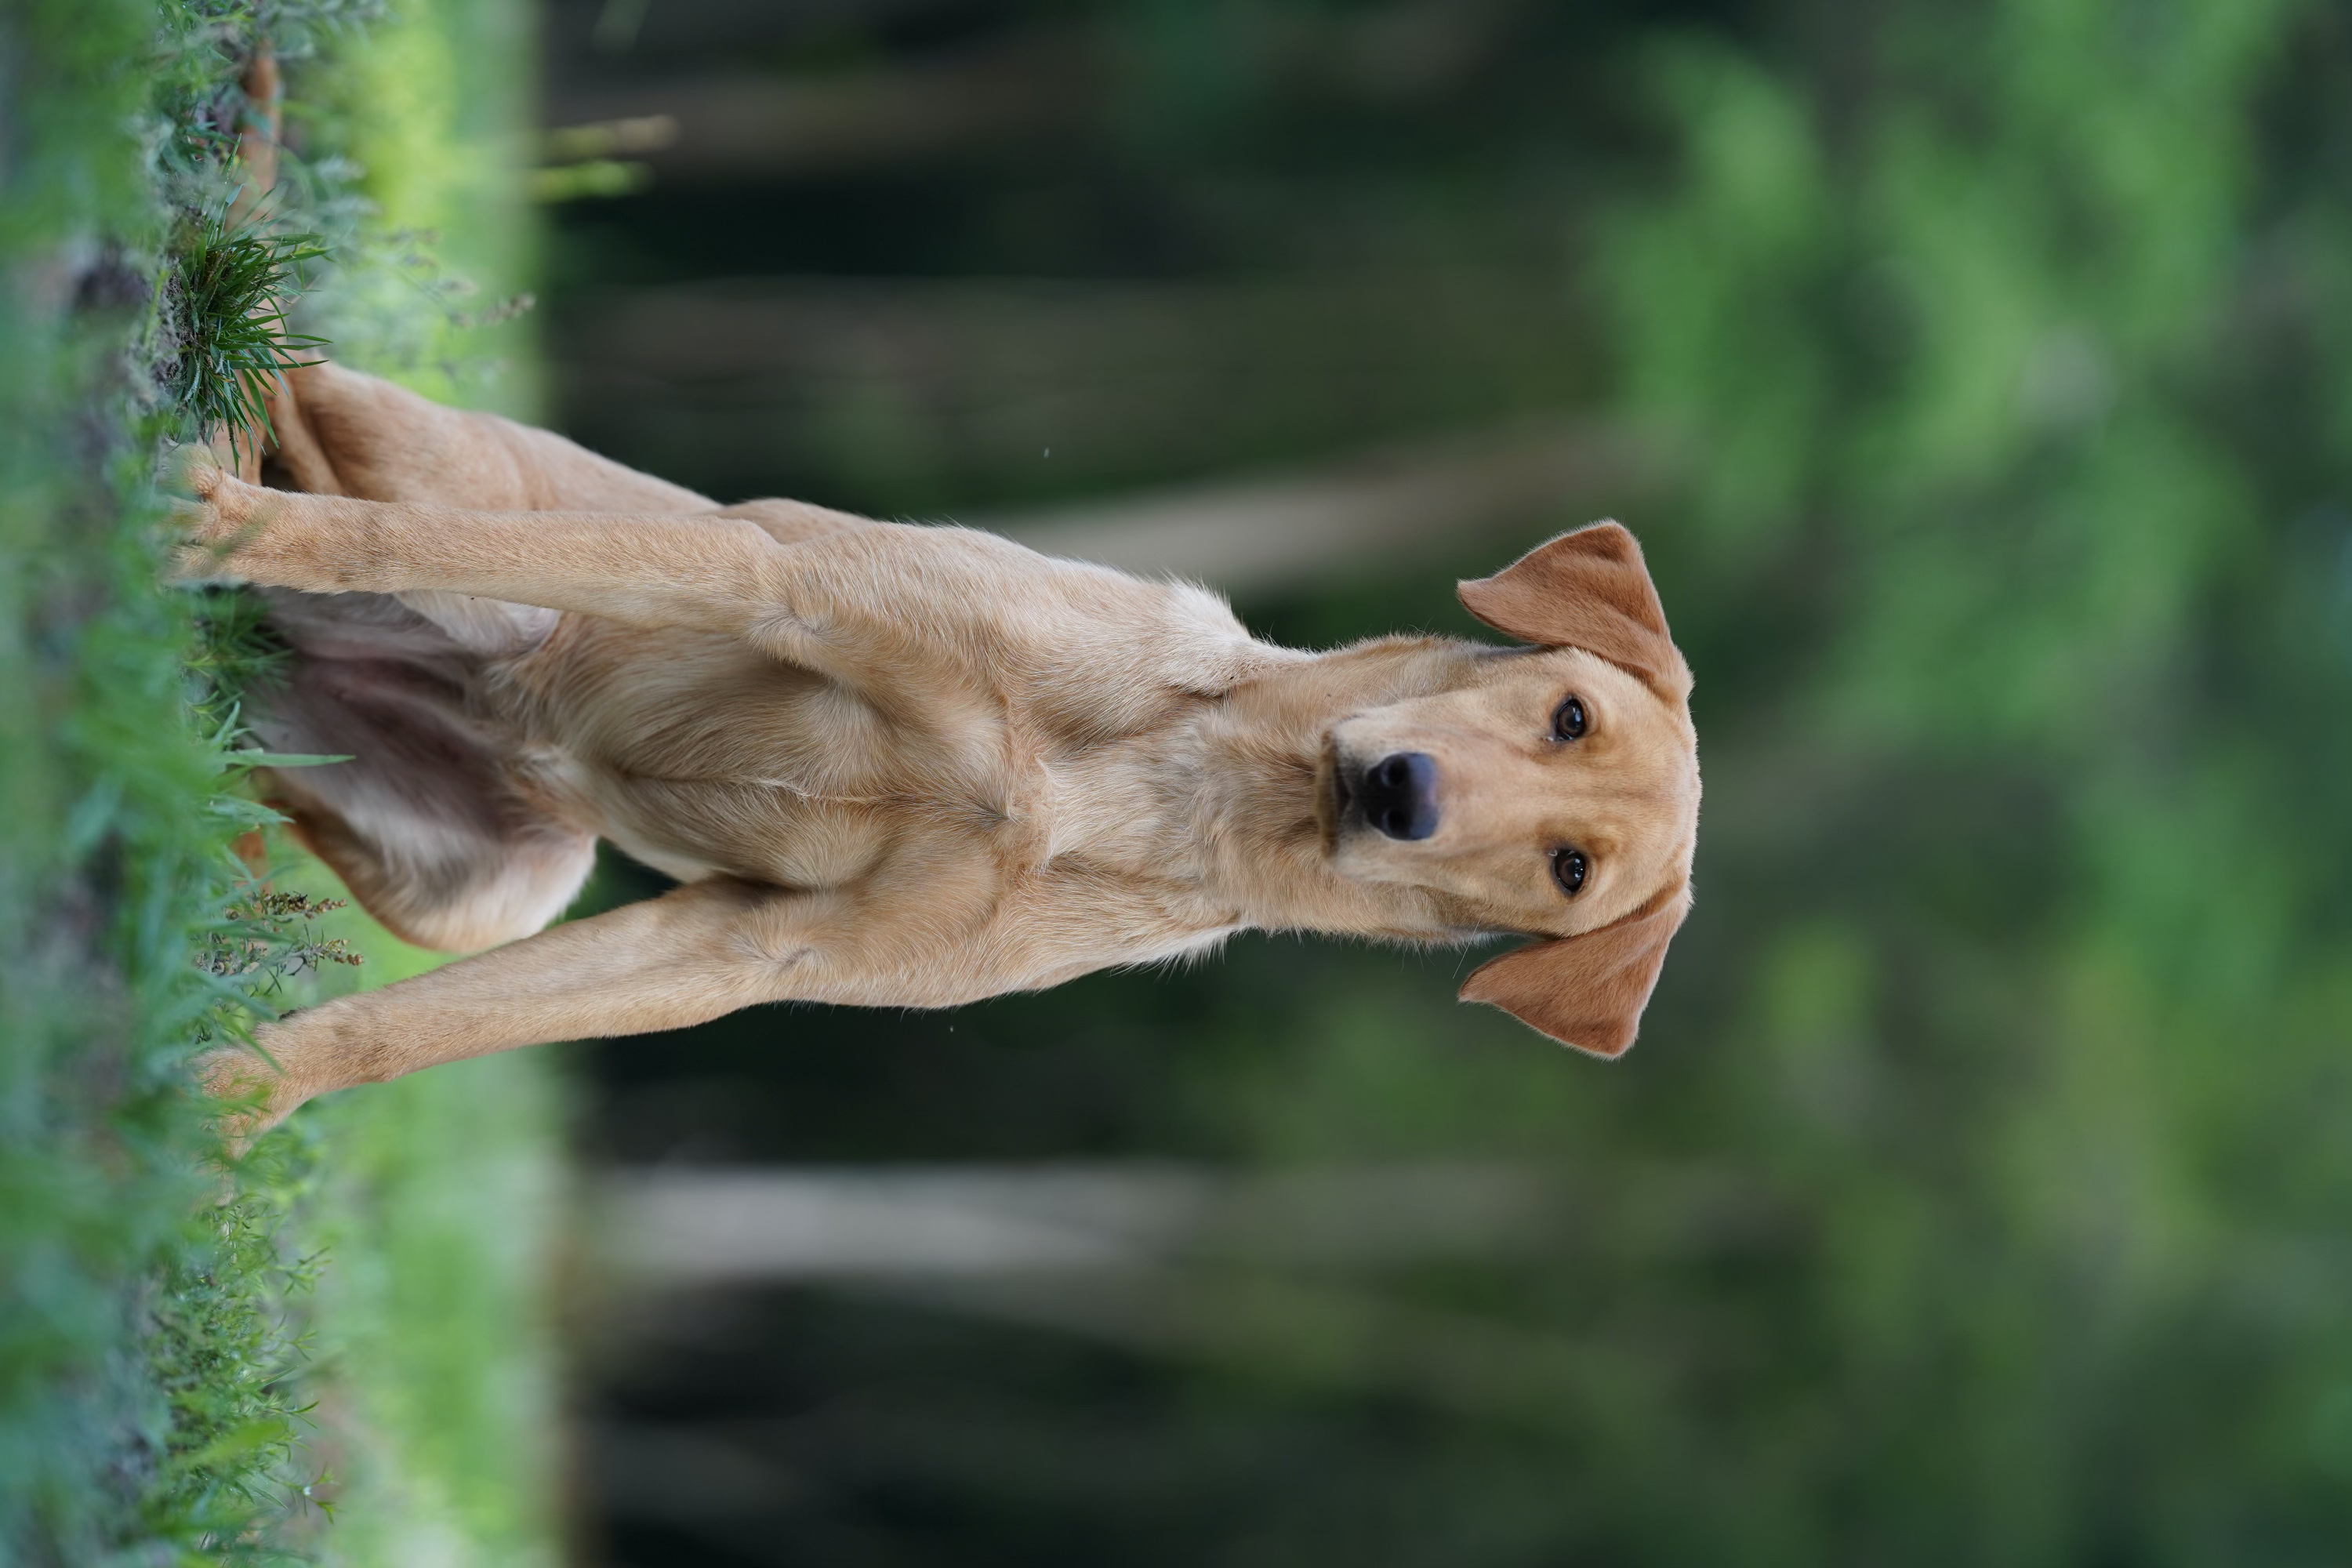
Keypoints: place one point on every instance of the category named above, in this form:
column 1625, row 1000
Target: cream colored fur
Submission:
column 890, row 764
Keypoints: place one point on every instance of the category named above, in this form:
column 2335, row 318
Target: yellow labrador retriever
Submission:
column 896, row 765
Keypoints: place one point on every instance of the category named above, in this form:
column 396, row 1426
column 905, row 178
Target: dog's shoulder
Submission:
column 1093, row 638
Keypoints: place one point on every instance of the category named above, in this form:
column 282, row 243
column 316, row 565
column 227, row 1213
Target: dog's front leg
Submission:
column 697, row 952
column 699, row 570
column 889, row 608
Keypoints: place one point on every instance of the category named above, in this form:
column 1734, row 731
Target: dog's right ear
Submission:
column 1587, row 589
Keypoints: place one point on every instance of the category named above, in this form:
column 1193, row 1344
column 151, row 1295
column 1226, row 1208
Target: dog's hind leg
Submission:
column 434, row 824
column 343, row 433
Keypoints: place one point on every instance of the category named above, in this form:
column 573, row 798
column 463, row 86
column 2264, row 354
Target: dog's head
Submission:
column 1555, row 792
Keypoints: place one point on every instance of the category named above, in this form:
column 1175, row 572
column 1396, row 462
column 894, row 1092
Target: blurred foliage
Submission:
column 2024, row 353
column 425, row 130
column 1977, row 1195
column 228, row 1359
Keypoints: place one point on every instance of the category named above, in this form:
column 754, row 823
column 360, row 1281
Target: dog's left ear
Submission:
column 1586, row 991
column 1588, row 589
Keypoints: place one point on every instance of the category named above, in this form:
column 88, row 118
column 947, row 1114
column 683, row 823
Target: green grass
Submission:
column 223, row 319
column 359, row 1306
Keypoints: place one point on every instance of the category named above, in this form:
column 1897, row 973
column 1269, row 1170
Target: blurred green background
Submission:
column 1975, row 373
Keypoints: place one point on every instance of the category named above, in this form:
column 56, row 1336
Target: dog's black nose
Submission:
column 1400, row 794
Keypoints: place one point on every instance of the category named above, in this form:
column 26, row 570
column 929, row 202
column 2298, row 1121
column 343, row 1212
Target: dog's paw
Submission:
column 215, row 515
column 253, row 1094
column 188, row 469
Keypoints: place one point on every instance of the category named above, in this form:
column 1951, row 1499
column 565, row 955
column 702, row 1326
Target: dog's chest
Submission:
column 1121, row 806
column 701, row 757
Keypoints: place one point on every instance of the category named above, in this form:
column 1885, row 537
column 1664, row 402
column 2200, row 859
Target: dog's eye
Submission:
column 1568, row 869
column 1568, row 719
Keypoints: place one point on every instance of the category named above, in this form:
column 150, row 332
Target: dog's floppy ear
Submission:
column 1586, row 991
column 1587, row 589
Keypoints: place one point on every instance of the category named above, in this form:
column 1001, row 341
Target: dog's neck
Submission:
column 1257, row 836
